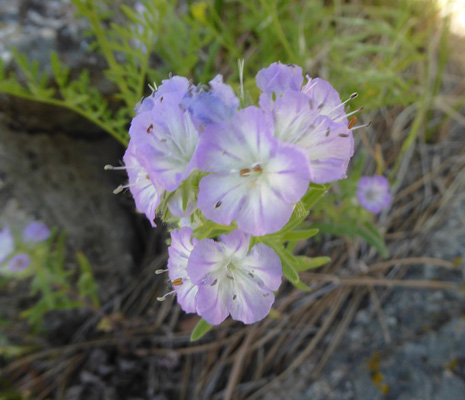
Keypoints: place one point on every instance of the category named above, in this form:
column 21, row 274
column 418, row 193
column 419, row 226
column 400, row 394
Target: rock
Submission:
column 61, row 181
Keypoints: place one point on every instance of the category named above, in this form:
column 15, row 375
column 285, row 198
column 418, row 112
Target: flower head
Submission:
column 7, row 243
column 232, row 280
column 19, row 262
column 373, row 193
column 179, row 253
column 36, row 232
column 256, row 179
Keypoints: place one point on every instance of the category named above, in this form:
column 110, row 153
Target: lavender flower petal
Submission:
column 147, row 194
column 278, row 78
column 179, row 253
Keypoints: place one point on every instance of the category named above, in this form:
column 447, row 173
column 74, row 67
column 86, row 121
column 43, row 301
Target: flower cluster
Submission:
column 196, row 156
column 14, row 254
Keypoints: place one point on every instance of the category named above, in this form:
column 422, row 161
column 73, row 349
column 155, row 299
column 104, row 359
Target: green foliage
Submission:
column 52, row 284
column 371, row 47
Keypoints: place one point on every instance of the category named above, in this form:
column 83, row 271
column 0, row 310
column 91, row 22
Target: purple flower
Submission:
column 232, row 280
column 36, row 232
column 165, row 139
column 256, row 179
column 278, row 78
column 179, row 252
column 146, row 193
column 373, row 193
column 174, row 88
column 329, row 145
column 312, row 117
column 211, row 106
column 7, row 243
column 19, row 263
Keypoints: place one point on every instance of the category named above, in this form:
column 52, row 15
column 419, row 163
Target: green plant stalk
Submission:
column 61, row 103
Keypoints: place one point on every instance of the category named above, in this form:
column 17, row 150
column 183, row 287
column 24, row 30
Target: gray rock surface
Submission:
column 61, row 181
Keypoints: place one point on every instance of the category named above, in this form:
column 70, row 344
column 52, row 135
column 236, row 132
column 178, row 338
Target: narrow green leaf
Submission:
column 367, row 231
column 314, row 193
column 200, row 329
column 289, row 272
column 371, row 234
column 306, row 263
column 299, row 234
column 302, row 286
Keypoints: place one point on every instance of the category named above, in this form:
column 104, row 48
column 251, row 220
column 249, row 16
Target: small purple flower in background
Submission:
column 232, row 280
column 19, row 263
column 373, row 193
column 7, row 243
column 36, row 232
column 179, row 252
column 256, row 179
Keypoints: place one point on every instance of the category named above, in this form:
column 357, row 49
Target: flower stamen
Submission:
column 177, row 282
column 352, row 122
column 163, row 298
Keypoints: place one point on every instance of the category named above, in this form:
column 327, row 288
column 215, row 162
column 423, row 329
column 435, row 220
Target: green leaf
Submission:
column 373, row 236
column 200, row 329
column 366, row 231
column 290, row 272
column 288, row 261
column 302, row 208
column 299, row 234
column 314, row 193
column 210, row 229
column 86, row 283
column 11, row 351
column 306, row 263
column 302, row 286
